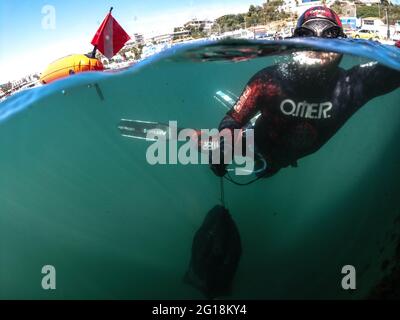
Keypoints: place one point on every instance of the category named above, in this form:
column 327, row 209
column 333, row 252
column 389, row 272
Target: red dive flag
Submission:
column 110, row 38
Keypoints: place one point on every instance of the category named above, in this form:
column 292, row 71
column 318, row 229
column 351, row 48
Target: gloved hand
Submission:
column 397, row 44
column 218, row 146
column 218, row 169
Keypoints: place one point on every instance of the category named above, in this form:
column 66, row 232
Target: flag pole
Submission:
column 93, row 55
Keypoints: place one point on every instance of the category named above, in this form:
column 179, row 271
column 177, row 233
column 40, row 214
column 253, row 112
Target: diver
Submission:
column 303, row 103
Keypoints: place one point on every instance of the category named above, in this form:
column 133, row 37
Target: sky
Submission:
column 34, row 33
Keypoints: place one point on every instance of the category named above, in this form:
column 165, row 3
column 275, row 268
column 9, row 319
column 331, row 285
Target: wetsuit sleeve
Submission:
column 371, row 80
column 255, row 95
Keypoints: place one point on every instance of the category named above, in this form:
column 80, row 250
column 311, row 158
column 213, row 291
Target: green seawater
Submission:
column 77, row 195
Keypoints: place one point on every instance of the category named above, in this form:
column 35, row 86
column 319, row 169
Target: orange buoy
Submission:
column 69, row 65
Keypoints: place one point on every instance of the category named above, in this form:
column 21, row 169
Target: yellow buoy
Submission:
column 69, row 65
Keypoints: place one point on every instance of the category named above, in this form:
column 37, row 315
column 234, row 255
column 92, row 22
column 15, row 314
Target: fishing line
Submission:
column 229, row 178
column 222, row 192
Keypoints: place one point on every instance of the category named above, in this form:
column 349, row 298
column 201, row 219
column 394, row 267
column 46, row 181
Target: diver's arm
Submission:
column 246, row 107
column 257, row 91
column 372, row 80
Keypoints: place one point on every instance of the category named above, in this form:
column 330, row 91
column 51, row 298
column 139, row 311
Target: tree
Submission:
column 394, row 13
column 197, row 32
column 364, row 11
column 229, row 22
column 337, row 7
column 6, row 86
column 271, row 11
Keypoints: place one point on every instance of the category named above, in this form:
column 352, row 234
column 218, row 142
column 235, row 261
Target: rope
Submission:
column 229, row 178
column 222, row 192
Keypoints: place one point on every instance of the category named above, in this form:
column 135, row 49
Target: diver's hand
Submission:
column 218, row 169
column 205, row 143
column 397, row 44
column 217, row 148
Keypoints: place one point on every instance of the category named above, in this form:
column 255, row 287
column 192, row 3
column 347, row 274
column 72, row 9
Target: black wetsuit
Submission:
column 298, row 116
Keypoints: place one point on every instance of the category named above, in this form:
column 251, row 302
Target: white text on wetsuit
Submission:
column 305, row 109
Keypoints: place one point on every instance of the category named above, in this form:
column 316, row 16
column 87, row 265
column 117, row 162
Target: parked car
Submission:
column 265, row 36
column 366, row 34
column 348, row 32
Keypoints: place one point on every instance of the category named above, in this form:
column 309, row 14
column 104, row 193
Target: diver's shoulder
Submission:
column 342, row 73
column 267, row 72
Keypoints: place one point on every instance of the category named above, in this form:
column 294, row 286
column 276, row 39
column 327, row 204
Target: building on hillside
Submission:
column 180, row 34
column 349, row 9
column 299, row 6
column 130, row 44
column 162, row 39
column 138, row 38
column 290, row 6
column 372, row 23
column 303, row 5
column 184, row 33
column 236, row 34
column 205, row 24
column 369, row 2
column 15, row 84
